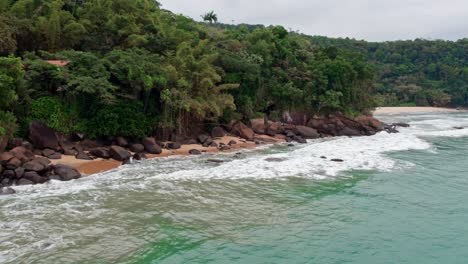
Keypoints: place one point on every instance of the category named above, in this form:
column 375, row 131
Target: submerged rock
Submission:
column 337, row 160
column 7, row 191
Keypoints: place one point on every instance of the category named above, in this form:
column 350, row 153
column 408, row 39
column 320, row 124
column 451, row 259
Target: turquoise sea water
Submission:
column 396, row 199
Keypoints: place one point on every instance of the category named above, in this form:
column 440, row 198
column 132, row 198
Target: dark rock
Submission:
column 69, row 152
column 100, row 153
column 90, row 144
column 55, row 178
column 55, row 156
column 349, row 132
column 48, row 152
column 203, row 138
column 291, row 145
column 83, row 156
column 122, row 142
column 323, row 157
column 66, row 173
column 24, row 181
column 5, row 157
column 225, row 148
column 216, row 161
column 43, row 136
column 34, row 165
column 258, row 125
column 128, row 161
column 307, row 132
column 218, row 132
column 174, row 145
column 274, row 128
column 459, row 128
column 390, row 129
column 23, row 154
column 213, row 144
column 34, row 177
column 400, row 125
column 10, row 174
column 119, row 153
column 137, row 148
column 5, row 182
column 300, row 139
column 28, row 145
column 13, row 164
column 243, row 131
column 289, row 133
column 194, row 152
column 151, row 146
column 191, row 142
column 139, row 156
column 42, row 160
column 232, row 142
column 74, row 137
column 19, row 172
column 337, row 160
column 15, row 142
column 37, row 152
column 7, row 191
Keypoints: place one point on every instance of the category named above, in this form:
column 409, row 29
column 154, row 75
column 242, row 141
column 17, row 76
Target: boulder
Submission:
column 139, row 156
column 232, row 142
column 349, row 132
column 24, row 181
column 43, row 136
column 300, row 139
column 13, row 164
column 370, row 122
column 66, row 173
column 191, row 142
column 7, row 191
column 225, row 148
column 218, row 132
column 10, row 174
column 34, row 177
column 15, row 142
column 83, row 156
column 48, row 152
column 307, row 132
column 88, row 144
column 151, row 146
column 55, row 156
column 34, row 165
column 174, row 145
column 195, row 152
column 43, row 160
column 137, row 148
column 69, row 152
column 400, row 125
column 274, row 128
column 122, row 142
column 5, row 157
column 19, row 172
column 258, row 125
column 203, row 138
column 243, row 131
column 23, row 154
column 119, row 153
column 100, row 153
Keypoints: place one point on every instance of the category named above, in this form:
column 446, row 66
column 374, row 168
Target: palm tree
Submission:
column 210, row 17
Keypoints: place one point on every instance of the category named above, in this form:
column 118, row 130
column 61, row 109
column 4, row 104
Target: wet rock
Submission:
column 215, row 161
column 225, row 148
column 88, row 144
column 291, row 145
column 34, row 177
column 151, row 146
column 100, row 153
column 218, row 132
column 300, row 139
column 119, row 153
column 7, row 191
column 43, row 160
column 232, row 142
column 306, row 132
column 139, row 156
column 128, row 161
column 122, row 142
column 137, row 148
column 243, row 131
column 400, row 125
column 459, row 128
column 213, row 144
column 24, row 181
column 69, row 152
column 323, row 157
column 349, row 132
column 5, row 157
column 195, row 152
column 337, row 160
column 66, row 173
column 83, row 156
column 43, row 136
column 191, row 142
column 174, row 145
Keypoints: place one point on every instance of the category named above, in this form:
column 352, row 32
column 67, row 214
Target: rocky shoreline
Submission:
column 47, row 155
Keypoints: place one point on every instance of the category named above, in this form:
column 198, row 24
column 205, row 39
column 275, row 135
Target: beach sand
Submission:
column 89, row 167
column 397, row 110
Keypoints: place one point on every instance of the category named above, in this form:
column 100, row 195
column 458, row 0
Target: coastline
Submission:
column 91, row 167
column 411, row 109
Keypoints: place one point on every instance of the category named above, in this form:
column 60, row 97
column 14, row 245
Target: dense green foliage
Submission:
column 418, row 72
column 135, row 69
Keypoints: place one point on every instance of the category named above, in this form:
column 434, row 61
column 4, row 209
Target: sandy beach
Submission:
column 89, row 167
column 397, row 110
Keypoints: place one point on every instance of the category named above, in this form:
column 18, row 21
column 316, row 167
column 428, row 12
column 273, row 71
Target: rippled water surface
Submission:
column 399, row 198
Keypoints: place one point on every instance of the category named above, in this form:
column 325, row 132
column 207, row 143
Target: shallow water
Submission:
column 397, row 198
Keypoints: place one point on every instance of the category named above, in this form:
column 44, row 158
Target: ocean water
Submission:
column 396, row 198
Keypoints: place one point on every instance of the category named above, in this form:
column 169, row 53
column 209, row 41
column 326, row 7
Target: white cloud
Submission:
column 374, row 20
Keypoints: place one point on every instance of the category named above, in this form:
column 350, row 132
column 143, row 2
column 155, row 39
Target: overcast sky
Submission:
column 374, row 20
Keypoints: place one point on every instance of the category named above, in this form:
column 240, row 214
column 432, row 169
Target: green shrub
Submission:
column 121, row 119
column 55, row 113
